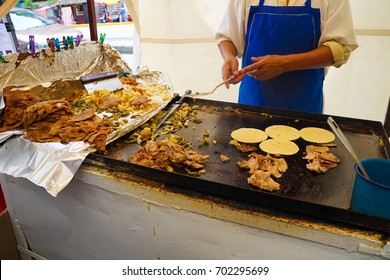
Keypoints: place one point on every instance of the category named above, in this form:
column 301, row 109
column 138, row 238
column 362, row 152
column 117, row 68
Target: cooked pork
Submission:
column 139, row 100
column 49, row 111
column 16, row 101
column 277, row 166
column 53, row 121
column 107, row 102
column 262, row 168
column 262, row 179
column 246, row 148
column 161, row 154
column 224, row 158
column 319, row 159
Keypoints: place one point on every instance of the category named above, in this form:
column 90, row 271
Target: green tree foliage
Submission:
column 31, row 4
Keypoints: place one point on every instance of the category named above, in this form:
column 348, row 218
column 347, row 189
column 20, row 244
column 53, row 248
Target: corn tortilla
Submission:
column 317, row 135
column 284, row 132
column 279, row 147
column 249, row 135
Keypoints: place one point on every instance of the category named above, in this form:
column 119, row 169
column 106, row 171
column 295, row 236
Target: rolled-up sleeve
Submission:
column 337, row 31
column 340, row 52
column 233, row 25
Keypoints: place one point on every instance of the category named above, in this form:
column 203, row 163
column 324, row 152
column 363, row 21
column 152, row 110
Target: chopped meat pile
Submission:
column 128, row 80
column 262, row 179
column 45, row 111
column 139, row 100
column 163, row 154
column 243, row 147
column 107, row 102
column 276, row 166
column 15, row 103
column 87, row 127
column 53, row 121
column 39, row 118
column 320, row 159
column 269, row 166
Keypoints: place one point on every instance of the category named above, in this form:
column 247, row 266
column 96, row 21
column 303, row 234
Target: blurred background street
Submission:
column 119, row 35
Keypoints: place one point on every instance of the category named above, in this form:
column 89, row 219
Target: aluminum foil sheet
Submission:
column 48, row 165
column 53, row 165
column 5, row 135
column 87, row 58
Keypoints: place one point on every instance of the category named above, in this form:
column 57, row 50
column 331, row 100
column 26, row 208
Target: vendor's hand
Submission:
column 230, row 68
column 265, row 67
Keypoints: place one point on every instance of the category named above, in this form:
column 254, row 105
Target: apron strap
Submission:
column 307, row 3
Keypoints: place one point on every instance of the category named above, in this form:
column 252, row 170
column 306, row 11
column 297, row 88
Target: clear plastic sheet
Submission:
column 53, row 165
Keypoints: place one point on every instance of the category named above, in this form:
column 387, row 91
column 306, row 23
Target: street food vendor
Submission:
column 286, row 47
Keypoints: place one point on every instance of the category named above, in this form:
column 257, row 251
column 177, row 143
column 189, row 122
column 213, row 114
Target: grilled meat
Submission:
column 319, row 159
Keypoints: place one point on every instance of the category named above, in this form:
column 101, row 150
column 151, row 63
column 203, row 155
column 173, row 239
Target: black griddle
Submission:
column 326, row 196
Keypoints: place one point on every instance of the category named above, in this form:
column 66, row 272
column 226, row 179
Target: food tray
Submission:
column 326, row 196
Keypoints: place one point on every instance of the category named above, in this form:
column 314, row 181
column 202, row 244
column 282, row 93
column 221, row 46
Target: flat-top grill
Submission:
column 327, row 196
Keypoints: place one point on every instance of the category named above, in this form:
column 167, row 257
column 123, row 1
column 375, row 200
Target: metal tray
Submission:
column 326, row 196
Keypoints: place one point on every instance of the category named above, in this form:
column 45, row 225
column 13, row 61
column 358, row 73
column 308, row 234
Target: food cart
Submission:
column 117, row 211
column 114, row 209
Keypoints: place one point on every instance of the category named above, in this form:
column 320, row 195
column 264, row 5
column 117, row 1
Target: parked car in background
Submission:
column 27, row 23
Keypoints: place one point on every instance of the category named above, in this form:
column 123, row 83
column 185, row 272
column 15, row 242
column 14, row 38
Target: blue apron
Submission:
column 280, row 31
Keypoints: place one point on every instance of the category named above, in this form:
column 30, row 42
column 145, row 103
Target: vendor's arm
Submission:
column 330, row 53
column 230, row 64
column 270, row 66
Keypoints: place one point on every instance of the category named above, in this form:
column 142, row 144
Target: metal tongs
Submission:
column 173, row 108
column 336, row 129
column 215, row 88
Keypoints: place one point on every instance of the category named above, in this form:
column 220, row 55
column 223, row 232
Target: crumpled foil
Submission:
column 49, row 165
column 53, row 165
column 5, row 135
column 87, row 58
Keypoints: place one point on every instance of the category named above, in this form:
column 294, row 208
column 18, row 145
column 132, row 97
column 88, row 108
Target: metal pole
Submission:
column 10, row 28
column 92, row 20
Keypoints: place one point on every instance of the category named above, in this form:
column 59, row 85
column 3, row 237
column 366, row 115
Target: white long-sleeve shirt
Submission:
column 337, row 30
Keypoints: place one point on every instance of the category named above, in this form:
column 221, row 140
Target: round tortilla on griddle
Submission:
column 283, row 132
column 317, row 135
column 249, row 135
column 279, row 147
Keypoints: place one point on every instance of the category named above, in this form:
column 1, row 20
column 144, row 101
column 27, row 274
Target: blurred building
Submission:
column 76, row 12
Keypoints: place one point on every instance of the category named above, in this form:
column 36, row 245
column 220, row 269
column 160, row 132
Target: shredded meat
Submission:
column 129, row 80
column 161, row 154
column 262, row 179
column 16, row 101
column 107, row 102
column 53, row 121
column 319, row 159
column 277, row 166
column 49, row 111
column 262, row 168
column 245, row 148
column 146, row 133
column 139, row 100
column 90, row 128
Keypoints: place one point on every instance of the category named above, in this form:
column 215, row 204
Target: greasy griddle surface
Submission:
column 301, row 190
